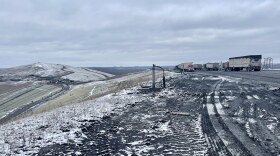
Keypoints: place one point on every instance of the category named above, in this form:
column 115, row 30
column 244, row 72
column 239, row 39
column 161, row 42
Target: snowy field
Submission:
column 53, row 70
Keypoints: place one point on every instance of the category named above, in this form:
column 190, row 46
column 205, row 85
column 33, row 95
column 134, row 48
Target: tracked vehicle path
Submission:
column 235, row 139
column 219, row 138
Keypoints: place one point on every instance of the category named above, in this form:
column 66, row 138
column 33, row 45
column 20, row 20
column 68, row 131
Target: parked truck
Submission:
column 226, row 66
column 186, row 67
column 197, row 66
column 248, row 63
column 212, row 66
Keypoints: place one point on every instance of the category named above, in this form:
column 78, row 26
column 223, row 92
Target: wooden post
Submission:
column 154, row 77
column 163, row 81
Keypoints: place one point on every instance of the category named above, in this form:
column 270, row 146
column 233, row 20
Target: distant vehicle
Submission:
column 248, row 63
column 197, row 66
column 212, row 66
column 186, row 67
column 225, row 66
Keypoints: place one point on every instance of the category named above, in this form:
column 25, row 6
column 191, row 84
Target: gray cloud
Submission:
column 126, row 32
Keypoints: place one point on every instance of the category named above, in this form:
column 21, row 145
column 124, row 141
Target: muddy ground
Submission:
column 197, row 114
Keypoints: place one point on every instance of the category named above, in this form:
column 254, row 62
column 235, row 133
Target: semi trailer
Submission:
column 212, row 66
column 197, row 66
column 248, row 63
column 225, row 66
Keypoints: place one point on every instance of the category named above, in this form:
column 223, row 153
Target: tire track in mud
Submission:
column 255, row 126
column 234, row 137
column 229, row 144
column 238, row 137
column 215, row 145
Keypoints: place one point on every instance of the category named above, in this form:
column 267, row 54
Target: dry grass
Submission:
column 82, row 93
column 6, row 87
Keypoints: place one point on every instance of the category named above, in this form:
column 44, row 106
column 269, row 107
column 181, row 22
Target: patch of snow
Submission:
column 144, row 131
column 143, row 149
column 45, row 69
column 220, row 109
column 239, row 112
column 248, row 130
column 256, row 97
column 195, row 78
column 272, row 126
column 273, row 88
column 210, row 108
column 128, row 152
column 78, row 153
column 273, row 122
column 165, row 127
column 136, row 142
column 230, row 97
column 172, row 74
column 252, row 120
column 212, row 78
column 198, row 126
column 208, row 99
column 249, row 97
column 146, row 116
column 247, row 89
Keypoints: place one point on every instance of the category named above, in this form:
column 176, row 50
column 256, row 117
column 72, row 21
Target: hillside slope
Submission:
column 52, row 71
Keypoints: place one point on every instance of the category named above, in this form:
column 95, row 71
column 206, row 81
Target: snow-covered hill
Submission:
column 53, row 70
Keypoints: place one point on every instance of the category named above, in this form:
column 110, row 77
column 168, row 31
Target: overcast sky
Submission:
column 136, row 32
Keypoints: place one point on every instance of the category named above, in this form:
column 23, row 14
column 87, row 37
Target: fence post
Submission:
column 154, row 77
